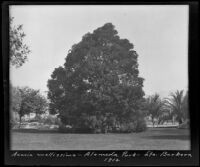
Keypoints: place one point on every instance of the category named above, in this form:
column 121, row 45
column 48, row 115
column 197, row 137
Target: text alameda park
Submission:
column 94, row 154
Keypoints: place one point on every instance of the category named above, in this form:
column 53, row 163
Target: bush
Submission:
column 93, row 124
column 184, row 125
column 86, row 124
column 65, row 129
column 14, row 124
column 33, row 120
column 124, row 129
column 140, row 125
column 136, row 126
column 14, row 119
column 50, row 120
column 83, row 130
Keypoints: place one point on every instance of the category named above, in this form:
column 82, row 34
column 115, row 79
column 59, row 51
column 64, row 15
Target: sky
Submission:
column 159, row 34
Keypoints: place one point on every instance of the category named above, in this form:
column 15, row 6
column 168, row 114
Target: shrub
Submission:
column 83, row 130
column 50, row 120
column 34, row 120
column 184, row 125
column 14, row 119
column 65, row 129
column 124, row 128
column 140, row 125
column 87, row 124
column 13, row 124
column 136, row 126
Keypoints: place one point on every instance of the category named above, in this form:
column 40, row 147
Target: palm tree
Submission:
column 186, row 107
column 154, row 107
column 165, row 115
column 176, row 103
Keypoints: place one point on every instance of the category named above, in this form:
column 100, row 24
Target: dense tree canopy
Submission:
column 99, row 83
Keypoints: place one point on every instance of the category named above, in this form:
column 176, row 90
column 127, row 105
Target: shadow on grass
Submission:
column 34, row 131
column 50, row 131
column 169, row 132
column 169, row 137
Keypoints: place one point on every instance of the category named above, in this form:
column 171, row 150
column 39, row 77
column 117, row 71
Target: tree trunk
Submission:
column 20, row 120
column 20, row 115
column 153, row 121
column 180, row 121
column 174, row 119
column 183, row 120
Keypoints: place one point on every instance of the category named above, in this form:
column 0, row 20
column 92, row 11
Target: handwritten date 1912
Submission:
column 111, row 159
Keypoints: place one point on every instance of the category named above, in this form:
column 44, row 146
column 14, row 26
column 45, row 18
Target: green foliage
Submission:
column 50, row 120
column 137, row 123
column 186, row 106
column 154, row 106
column 14, row 119
column 165, row 115
column 32, row 101
column 140, row 125
column 15, row 99
column 99, row 80
column 26, row 100
column 18, row 50
column 178, row 103
column 15, row 104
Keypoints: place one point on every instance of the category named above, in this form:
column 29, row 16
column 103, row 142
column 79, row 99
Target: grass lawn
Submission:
column 152, row 139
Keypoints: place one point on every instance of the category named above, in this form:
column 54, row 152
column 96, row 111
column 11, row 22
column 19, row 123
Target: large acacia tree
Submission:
column 99, row 84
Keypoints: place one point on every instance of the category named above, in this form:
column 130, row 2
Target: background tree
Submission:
column 18, row 49
column 18, row 55
column 154, row 105
column 31, row 102
column 186, row 107
column 15, row 99
column 41, row 104
column 176, row 103
column 165, row 115
column 100, row 79
column 15, row 104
